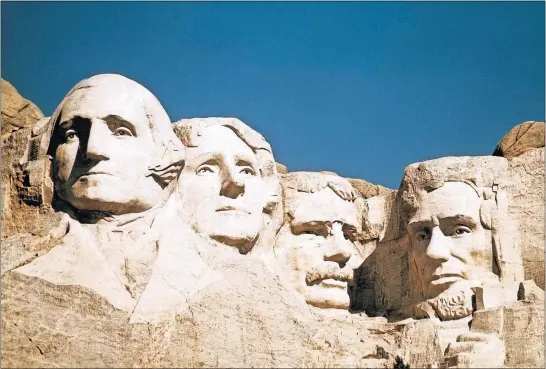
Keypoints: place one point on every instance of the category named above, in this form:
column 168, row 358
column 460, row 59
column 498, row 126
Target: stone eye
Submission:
column 248, row 171
column 122, row 131
column 423, row 235
column 203, row 171
column 70, row 135
column 461, row 230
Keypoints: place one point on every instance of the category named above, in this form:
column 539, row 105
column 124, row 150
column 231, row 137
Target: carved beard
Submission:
column 451, row 307
column 453, row 303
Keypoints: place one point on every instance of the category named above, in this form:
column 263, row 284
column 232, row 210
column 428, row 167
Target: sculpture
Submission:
column 316, row 240
column 154, row 266
column 108, row 147
column 229, row 187
column 455, row 210
column 114, row 156
column 460, row 240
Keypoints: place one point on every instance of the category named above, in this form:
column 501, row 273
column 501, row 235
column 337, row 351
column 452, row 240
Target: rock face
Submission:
column 367, row 189
column 241, row 321
column 526, row 189
column 282, row 169
column 522, row 138
column 17, row 112
column 132, row 242
column 317, row 243
column 24, row 209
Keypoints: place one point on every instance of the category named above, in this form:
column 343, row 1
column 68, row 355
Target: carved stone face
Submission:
column 222, row 191
column 448, row 240
column 318, row 246
column 104, row 152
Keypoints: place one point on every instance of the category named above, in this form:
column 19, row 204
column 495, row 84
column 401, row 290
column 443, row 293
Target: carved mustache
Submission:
column 316, row 275
column 230, row 207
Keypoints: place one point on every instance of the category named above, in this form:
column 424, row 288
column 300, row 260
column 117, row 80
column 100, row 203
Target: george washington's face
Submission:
column 449, row 243
column 318, row 247
column 103, row 152
column 223, row 192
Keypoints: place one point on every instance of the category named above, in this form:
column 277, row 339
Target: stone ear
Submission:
column 272, row 201
column 166, row 163
column 487, row 212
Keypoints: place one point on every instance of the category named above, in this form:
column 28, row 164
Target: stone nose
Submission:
column 232, row 186
column 338, row 249
column 97, row 143
column 438, row 248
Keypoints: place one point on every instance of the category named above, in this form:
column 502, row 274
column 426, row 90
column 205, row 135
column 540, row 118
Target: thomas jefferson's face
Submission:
column 223, row 193
column 318, row 246
column 448, row 240
column 105, row 145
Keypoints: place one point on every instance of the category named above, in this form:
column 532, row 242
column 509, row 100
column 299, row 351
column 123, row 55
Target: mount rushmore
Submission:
column 129, row 240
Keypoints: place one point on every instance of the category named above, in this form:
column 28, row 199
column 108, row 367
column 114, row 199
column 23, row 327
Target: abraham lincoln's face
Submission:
column 449, row 243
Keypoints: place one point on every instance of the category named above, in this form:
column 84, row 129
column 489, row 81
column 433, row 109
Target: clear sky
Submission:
column 359, row 88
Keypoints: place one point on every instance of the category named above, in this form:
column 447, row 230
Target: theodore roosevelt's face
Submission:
column 318, row 247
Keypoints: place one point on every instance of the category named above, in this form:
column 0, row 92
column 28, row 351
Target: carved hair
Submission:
column 168, row 157
column 485, row 175
column 311, row 182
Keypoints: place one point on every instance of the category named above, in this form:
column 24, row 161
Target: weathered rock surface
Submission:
column 526, row 207
column 519, row 325
column 242, row 321
column 17, row 112
column 245, row 320
column 382, row 281
column 282, row 169
column 368, row 189
column 23, row 210
column 522, row 138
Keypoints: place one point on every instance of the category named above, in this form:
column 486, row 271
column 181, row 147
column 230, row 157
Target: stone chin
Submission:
column 236, row 230
column 438, row 286
column 325, row 296
column 106, row 193
column 453, row 303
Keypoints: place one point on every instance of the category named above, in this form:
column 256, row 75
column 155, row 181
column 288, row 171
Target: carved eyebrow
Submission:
column 244, row 161
column 66, row 124
column 75, row 122
column 421, row 224
column 311, row 224
column 314, row 223
column 210, row 161
column 349, row 228
column 117, row 121
column 299, row 226
column 458, row 219
column 206, row 158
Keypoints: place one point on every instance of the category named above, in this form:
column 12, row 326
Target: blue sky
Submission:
column 359, row 88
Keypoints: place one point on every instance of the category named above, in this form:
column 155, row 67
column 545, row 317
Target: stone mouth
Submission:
column 334, row 283
column 446, row 278
column 94, row 173
column 232, row 209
